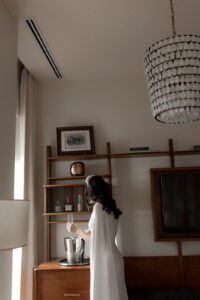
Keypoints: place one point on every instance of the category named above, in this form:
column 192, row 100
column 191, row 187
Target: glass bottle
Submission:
column 79, row 203
column 58, row 207
column 68, row 205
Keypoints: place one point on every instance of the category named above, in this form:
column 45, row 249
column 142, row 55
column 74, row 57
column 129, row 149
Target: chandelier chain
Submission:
column 173, row 18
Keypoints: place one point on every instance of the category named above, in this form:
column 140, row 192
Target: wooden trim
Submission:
column 48, row 218
column 35, row 283
column 181, row 266
column 109, row 166
column 178, row 243
column 171, row 153
column 48, row 165
column 154, row 208
column 45, row 200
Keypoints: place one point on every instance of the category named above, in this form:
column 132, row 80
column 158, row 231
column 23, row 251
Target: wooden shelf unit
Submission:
column 52, row 186
column 53, row 159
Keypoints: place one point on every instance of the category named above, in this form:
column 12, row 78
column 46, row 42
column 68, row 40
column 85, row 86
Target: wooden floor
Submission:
column 164, row 294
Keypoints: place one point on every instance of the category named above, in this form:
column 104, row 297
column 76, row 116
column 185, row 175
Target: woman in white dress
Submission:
column 106, row 263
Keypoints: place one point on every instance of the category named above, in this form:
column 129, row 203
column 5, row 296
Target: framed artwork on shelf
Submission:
column 75, row 140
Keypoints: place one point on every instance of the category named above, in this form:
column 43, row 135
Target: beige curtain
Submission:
column 28, row 101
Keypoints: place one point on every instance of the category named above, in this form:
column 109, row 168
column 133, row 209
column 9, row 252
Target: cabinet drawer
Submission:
column 64, row 285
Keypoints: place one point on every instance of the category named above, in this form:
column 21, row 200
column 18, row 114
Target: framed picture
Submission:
column 75, row 140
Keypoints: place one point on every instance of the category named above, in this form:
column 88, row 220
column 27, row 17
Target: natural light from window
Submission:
column 18, row 194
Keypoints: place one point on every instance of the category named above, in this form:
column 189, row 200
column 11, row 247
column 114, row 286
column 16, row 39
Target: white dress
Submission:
column 106, row 263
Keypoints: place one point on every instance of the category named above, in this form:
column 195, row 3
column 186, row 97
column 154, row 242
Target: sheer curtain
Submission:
column 28, row 112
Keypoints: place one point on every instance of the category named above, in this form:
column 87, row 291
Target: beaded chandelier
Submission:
column 172, row 69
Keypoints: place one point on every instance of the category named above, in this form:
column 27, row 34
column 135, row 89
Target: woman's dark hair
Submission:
column 98, row 191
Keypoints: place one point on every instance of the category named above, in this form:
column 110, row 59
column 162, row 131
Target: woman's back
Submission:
column 106, row 262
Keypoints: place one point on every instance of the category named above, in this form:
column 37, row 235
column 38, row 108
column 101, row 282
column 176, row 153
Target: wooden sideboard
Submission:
column 54, row 282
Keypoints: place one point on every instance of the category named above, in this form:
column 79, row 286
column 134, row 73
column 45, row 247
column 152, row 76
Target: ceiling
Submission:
column 97, row 39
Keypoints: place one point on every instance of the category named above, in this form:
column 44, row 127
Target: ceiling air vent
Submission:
column 36, row 33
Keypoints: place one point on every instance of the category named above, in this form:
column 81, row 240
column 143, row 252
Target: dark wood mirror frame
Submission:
column 160, row 233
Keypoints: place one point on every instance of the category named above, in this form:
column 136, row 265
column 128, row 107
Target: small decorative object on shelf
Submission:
column 75, row 140
column 196, row 148
column 79, row 203
column 139, row 149
column 58, row 207
column 77, row 168
column 68, row 205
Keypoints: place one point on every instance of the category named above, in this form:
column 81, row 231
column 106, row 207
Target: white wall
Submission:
column 8, row 96
column 120, row 113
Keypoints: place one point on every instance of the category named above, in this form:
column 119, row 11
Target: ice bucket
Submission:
column 74, row 248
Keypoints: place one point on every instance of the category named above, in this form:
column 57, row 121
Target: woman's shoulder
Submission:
column 97, row 206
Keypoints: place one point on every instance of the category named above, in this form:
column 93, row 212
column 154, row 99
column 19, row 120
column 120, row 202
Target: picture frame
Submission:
column 77, row 140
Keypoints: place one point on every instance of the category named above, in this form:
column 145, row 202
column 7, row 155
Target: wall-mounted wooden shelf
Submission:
column 68, row 213
column 54, row 191
column 122, row 155
column 186, row 152
column 76, row 157
column 65, row 222
column 149, row 153
column 75, row 177
column 139, row 154
column 63, row 185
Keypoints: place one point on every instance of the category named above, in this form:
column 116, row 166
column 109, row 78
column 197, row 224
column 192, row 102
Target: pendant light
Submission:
column 172, row 69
